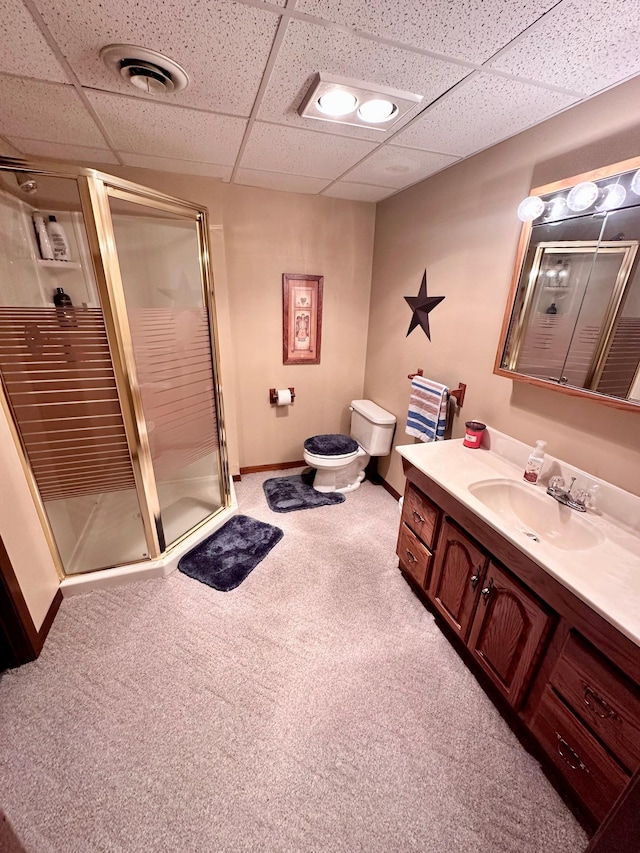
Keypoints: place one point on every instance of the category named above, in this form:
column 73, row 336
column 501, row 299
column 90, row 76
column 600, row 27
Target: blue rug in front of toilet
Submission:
column 288, row 494
column 229, row 555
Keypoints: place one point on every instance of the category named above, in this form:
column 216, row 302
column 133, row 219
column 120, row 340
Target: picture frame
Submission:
column 301, row 318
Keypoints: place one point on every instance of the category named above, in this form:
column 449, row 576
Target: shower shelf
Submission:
column 59, row 265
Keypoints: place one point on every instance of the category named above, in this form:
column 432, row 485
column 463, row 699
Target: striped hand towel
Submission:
column 428, row 404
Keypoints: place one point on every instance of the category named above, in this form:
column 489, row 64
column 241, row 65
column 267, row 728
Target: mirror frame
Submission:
column 521, row 254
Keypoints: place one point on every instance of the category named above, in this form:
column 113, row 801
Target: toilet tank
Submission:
column 372, row 427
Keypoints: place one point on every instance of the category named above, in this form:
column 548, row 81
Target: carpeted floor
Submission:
column 316, row 708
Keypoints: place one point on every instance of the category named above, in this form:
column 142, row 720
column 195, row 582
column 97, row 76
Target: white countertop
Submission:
column 606, row 576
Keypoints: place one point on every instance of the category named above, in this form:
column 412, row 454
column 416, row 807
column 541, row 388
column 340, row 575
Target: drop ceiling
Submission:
column 486, row 70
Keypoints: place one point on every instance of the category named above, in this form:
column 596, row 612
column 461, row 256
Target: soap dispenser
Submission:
column 534, row 462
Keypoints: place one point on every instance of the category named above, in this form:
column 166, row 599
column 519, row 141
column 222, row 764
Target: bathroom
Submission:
column 459, row 224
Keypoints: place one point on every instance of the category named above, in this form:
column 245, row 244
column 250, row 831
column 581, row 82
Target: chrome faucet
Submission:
column 560, row 493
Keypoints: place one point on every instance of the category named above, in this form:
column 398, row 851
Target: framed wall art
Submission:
column 302, row 318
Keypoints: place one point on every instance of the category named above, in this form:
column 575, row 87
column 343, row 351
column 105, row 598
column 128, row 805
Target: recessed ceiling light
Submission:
column 337, row 102
column 354, row 102
column 377, row 110
column 146, row 70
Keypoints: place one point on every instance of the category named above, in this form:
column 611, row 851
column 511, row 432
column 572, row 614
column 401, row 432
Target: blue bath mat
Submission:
column 228, row 556
column 287, row 494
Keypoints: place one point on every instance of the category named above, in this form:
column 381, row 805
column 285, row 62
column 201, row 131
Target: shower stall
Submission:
column 109, row 366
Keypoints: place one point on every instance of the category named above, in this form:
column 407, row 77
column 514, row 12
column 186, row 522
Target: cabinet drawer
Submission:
column 593, row 775
column 420, row 515
column 414, row 557
column 603, row 699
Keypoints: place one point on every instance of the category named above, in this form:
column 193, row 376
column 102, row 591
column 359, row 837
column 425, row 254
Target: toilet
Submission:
column 340, row 460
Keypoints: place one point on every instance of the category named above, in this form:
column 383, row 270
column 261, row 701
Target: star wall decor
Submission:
column 421, row 305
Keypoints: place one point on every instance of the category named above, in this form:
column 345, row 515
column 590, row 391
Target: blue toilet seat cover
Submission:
column 330, row 445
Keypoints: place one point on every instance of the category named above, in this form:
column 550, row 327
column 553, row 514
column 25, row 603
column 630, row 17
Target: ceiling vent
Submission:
column 145, row 69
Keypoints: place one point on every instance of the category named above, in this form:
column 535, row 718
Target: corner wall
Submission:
column 462, row 226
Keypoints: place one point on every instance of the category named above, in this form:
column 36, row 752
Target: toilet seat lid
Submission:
column 332, row 444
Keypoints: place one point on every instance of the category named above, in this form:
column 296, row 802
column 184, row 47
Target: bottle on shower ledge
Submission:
column 62, row 299
column 58, row 239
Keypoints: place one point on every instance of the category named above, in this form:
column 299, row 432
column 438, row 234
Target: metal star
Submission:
column 421, row 305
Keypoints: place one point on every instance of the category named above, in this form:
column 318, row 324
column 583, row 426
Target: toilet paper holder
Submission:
column 273, row 395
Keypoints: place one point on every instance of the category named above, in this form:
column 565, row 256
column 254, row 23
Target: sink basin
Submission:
column 530, row 511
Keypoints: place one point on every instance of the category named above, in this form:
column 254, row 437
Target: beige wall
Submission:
column 21, row 531
column 462, row 226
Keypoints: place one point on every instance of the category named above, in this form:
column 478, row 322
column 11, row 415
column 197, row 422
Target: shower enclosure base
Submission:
column 78, row 584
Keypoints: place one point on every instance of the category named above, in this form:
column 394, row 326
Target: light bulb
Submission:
column 611, row 197
column 557, row 208
column 582, row 196
column 377, row 110
column 337, row 102
column 531, row 208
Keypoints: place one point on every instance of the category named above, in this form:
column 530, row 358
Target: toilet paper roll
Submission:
column 283, row 397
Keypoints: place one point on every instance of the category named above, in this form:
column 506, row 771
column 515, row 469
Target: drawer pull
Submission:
column 475, row 578
column 486, row 592
column 570, row 756
column 411, row 557
column 598, row 705
column 418, row 517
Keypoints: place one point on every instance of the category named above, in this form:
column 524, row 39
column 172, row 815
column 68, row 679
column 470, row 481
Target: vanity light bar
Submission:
column 587, row 195
column 356, row 103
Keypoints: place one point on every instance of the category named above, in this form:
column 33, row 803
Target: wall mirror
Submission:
column 572, row 321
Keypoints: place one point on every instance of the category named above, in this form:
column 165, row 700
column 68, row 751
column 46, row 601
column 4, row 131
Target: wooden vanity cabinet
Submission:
column 458, row 573
column 502, row 623
column 418, row 528
column 570, row 677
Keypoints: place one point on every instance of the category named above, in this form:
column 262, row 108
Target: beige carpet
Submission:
column 315, row 708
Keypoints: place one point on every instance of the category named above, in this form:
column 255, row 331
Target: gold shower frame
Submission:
column 95, row 189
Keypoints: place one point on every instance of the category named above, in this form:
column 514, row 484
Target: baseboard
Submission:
column 236, row 478
column 390, row 489
column 276, row 466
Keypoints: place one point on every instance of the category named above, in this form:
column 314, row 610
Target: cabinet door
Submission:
column 507, row 633
column 457, row 576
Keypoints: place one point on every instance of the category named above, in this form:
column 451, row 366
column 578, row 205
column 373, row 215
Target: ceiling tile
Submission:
column 301, row 152
column 222, row 45
column 277, row 181
column 578, row 60
column 35, row 110
column 399, row 167
column 180, row 167
column 76, row 153
column 357, row 192
column 465, row 29
column 24, row 49
column 146, row 127
column 481, row 112
column 309, row 48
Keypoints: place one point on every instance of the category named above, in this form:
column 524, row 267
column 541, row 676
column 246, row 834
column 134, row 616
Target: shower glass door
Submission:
column 160, row 249
column 58, row 380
